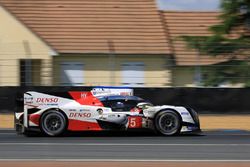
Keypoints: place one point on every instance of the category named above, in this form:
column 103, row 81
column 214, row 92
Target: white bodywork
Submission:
column 186, row 117
column 43, row 102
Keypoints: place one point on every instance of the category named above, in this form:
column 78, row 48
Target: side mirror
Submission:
column 144, row 105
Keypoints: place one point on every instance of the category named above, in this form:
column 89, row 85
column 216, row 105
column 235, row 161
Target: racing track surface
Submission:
column 119, row 146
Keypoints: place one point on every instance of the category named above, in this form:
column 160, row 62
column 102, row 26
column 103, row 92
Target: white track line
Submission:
column 122, row 160
column 115, row 144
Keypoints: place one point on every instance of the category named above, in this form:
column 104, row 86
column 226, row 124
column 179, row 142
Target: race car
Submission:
column 100, row 109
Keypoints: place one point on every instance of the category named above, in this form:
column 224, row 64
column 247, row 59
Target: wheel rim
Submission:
column 168, row 123
column 53, row 124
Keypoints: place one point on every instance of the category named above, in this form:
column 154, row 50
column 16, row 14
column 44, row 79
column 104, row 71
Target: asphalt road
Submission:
column 211, row 146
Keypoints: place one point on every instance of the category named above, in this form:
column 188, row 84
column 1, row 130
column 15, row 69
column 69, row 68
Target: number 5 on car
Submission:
column 135, row 122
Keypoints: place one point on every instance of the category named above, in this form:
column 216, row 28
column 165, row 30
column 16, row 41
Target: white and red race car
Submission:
column 103, row 108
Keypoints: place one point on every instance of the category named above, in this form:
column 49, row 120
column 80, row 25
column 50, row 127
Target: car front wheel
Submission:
column 167, row 123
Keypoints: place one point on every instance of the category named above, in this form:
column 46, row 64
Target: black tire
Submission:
column 167, row 123
column 53, row 123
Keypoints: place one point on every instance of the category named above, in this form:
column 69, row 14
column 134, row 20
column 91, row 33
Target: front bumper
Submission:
column 193, row 132
column 190, row 128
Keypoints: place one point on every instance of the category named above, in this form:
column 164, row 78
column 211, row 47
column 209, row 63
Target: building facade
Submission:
column 18, row 47
column 85, row 43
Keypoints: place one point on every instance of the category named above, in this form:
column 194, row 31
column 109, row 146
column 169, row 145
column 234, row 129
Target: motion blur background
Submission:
column 138, row 43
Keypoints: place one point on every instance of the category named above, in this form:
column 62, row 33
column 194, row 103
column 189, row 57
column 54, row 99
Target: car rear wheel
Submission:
column 53, row 123
column 167, row 123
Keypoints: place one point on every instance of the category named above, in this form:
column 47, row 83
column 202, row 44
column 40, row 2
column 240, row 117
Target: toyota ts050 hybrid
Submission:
column 100, row 109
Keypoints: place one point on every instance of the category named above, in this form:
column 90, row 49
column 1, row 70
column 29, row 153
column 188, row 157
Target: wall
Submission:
column 203, row 100
column 18, row 42
column 106, row 70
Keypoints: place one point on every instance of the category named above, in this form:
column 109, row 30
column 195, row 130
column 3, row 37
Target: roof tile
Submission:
column 88, row 26
column 190, row 24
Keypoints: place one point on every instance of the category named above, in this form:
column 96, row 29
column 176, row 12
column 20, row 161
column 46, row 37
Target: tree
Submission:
column 235, row 16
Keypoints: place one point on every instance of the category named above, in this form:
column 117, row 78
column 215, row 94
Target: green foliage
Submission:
column 227, row 72
column 235, row 14
column 215, row 45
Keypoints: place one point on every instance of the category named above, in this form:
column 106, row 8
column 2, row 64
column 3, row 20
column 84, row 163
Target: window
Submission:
column 30, row 72
column 71, row 74
column 133, row 74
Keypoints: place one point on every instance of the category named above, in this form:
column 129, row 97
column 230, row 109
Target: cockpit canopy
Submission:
column 122, row 103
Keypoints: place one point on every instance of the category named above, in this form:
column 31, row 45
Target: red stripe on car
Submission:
column 77, row 125
column 86, row 98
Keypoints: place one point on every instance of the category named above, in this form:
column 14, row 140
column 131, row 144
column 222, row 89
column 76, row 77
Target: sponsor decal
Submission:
column 50, row 101
column 97, row 91
column 84, row 110
column 79, row 115
column 47, row 100
column 191, row 128
column 111, row 116
column 102, row 91
column 28, row 99
column 184, row 113
column 125, row 94
column 106, row 110
column 51, row 104
column 84, row 95
column 85, row 98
